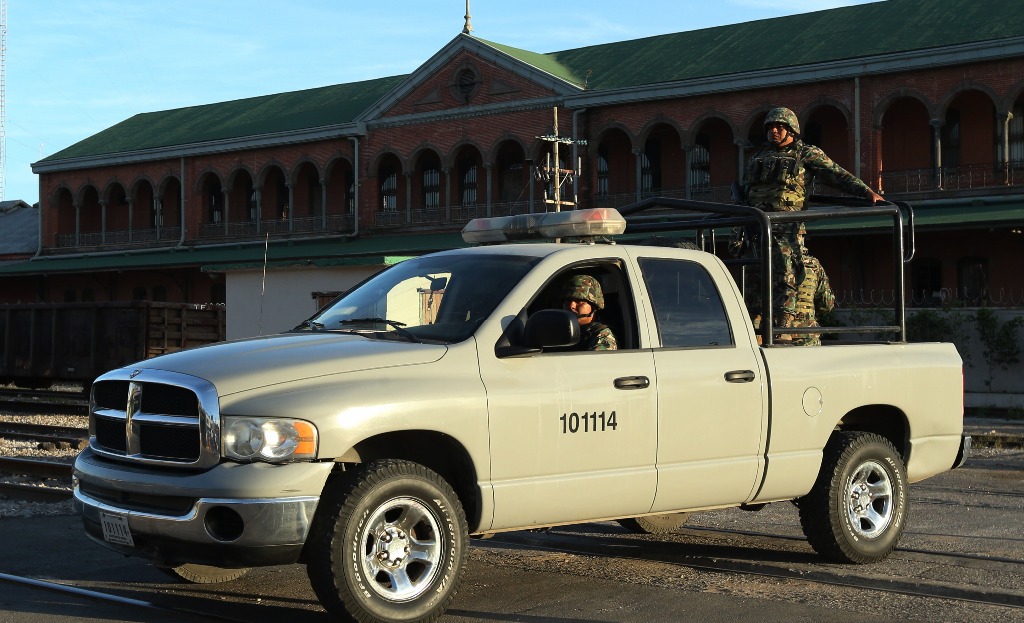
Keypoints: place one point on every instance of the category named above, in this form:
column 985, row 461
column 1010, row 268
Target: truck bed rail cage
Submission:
column 663, row 215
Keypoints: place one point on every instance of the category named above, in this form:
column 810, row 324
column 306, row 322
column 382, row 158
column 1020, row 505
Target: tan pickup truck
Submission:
column 442, row 398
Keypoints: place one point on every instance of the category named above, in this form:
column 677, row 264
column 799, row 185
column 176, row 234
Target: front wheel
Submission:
column 858, row 506
column 388, row 544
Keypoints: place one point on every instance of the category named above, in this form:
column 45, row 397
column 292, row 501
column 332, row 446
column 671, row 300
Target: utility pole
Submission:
column 3, row 96
column 554, row 172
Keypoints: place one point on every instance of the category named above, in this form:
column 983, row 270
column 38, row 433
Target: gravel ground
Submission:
column 33, row 449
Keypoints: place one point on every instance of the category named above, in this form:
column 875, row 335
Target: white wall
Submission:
column 287, row 299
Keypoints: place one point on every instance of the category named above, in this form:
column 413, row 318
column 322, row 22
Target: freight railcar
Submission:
column 48, row 343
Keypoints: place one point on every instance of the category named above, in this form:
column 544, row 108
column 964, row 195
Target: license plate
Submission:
column 115, row 529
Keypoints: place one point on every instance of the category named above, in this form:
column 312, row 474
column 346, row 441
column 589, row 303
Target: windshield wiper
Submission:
column 312, row 325
column 399, row 327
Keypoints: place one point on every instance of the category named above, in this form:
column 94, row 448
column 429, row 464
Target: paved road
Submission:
column 971, row 515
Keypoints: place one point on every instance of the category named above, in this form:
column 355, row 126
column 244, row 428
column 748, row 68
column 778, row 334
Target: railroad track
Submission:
column 35, row 401
column 43, row 433
column 42, row 471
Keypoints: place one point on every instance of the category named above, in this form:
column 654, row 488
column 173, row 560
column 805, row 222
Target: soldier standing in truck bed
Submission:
column 778, row 179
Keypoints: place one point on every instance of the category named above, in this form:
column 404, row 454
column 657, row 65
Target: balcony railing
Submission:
column 209, row 232
column 966, row 177
column 136, row 237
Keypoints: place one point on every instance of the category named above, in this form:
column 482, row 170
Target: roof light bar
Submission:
column 545, row 225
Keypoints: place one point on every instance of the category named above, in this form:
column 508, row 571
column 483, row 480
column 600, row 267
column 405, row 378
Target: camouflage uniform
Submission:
column 814, row 300
column 594, row 335
column 778, row 179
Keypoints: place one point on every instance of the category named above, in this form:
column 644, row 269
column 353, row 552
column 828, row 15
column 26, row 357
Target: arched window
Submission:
column 431, row 188
column 602, row 171
column 388, row 190
column 650, row 167
column 467, row 182
column 700, row 164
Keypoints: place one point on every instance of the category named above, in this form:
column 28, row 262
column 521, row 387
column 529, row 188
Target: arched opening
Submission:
column 968, row 142
column 906, row 147
column 426, row 188
column 470, row 185
column 512, row 192
column 242, row 200
column 390, row 184
column 64, row 206
column 168, row 216
column 307, row 196
column 212, row 206
column 116, row 221
column 273, row 199
column 616, row 170
column 713, row 163
column 90, row 219
column 662, row 166
column 143, row 215
column 340, row 196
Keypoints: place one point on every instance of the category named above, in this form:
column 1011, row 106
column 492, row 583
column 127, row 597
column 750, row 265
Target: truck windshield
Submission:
column 435, row 298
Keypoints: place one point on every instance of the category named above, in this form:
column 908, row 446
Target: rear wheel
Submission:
column 388, row 544
column 655, row 524
column 858, row 506
column 203, row 574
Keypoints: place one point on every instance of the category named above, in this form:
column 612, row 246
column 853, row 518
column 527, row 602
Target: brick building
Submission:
column 923, row 99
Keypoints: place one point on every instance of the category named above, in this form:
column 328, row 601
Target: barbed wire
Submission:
column 946, row 297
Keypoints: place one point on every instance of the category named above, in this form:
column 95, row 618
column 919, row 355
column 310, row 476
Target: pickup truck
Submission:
column 442, row 398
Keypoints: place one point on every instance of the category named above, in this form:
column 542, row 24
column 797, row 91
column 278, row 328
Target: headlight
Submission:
column 270, row 440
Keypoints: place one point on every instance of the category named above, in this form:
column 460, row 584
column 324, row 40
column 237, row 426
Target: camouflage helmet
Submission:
column 584, row 288
column 784, row 116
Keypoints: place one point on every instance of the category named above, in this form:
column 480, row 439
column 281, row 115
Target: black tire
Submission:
column 388, row 544
column 835, row 518
column 203, row 574
column 655, row 524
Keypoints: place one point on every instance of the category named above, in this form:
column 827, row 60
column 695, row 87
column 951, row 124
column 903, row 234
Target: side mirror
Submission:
column 552, row 328
column 547, row 328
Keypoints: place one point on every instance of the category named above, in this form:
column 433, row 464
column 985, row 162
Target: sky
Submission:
column 73, row 68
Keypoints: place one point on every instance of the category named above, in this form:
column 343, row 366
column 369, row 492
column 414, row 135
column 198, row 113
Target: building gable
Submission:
column 470, row 72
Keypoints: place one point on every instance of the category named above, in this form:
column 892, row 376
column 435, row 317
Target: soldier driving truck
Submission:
column 370, row 442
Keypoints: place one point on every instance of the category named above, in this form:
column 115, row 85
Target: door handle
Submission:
column 632, row 382
column 739, row 376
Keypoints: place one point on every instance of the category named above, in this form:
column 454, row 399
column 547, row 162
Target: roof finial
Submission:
column 468, row 28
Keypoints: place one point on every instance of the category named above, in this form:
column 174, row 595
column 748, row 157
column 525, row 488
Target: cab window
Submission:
column 619, row 312
column 687, row 305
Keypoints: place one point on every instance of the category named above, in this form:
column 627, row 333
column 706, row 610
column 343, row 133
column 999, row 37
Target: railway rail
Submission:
column 37, row 401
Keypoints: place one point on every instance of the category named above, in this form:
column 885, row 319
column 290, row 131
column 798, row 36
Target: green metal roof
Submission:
column 857, row 31
column 254, row 116
column 821, row 36
column 326, row 252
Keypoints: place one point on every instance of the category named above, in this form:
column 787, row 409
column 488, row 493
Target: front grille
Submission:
column 110, row 394
column 175, row 443
column 151, row 420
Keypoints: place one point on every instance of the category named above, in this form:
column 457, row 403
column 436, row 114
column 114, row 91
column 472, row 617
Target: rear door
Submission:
column 711, row 398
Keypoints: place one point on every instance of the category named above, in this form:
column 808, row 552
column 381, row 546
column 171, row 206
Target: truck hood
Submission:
column 259, row 362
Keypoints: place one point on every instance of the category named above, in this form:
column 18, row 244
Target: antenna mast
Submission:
column 555, row 171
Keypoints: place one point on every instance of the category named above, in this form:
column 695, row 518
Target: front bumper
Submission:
column 230, row 516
